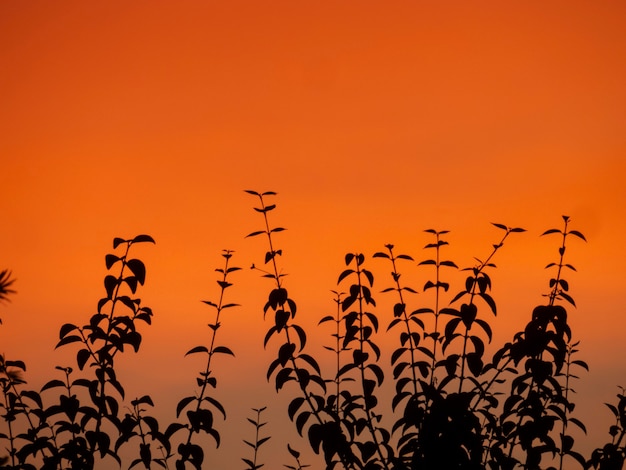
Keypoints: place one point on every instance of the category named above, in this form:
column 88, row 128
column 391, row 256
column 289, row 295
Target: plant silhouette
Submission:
column 5, row 285
column 258, row 440
column 458, row 400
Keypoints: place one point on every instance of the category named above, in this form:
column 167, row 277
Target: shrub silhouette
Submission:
column 454, row 405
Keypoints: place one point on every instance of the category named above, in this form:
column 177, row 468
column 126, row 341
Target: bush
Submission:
column 454, row 404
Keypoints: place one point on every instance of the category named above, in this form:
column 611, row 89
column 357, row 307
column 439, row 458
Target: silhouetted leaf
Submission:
column 397, row 354
column 284, row 376
column 489, row 300
column 223, row 350
column 254, row 234
column 485, row 326
column 82, row 357
column 474, row 363
column 292, row 307
column 285, row 353
column 449, row 264
column 110, row 260
column 182, row 404
column 269, row 334
column 348, row 301
column 553, row 230
column 345, row 369
column 568, row 298
column 138, row 269
column 52, row 384
column 378, row 372
column 197, row 349
column 173, row 428
column 110, row 283
column 311, row 361
column 301, row 420
column 458, row 296
column 293, row 452
column 468, row 314
column 581, row 364
column 578, row 423
column 132, row 304
column 281, row 317
column 145, row 316
column 316, row 434
column 68, row 339
column 344, row 274
column 398, row 309
column 66, row 328
column 359, row 356
column 118, row 241
column 369, row 276
column 134, row 339
column 216, row 404
column 294, row 406
column 266, row 208
column 144, row 400
column 33, row 395
column 484, row 283
column 143, row 239
column 451, row 364
column 131, row 282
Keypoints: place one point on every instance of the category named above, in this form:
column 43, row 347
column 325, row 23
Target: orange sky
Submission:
column 372, row 120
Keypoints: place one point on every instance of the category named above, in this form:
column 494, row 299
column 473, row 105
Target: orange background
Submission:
column 373, row 121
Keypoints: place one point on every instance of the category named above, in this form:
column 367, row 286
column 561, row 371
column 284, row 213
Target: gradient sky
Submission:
column 372, row 120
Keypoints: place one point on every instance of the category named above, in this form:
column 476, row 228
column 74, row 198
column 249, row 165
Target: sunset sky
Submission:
column 373, row 121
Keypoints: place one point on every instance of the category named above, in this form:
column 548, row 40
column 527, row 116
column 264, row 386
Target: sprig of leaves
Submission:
column 613, row 455
column 258, row 440
column 292, row 363
column 108, row 333
column 200, row 407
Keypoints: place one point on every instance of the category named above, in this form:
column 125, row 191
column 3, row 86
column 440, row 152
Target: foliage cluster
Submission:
column 454, row 405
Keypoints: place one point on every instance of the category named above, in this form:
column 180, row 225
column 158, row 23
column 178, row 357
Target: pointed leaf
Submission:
column 117, row 241
column 182, row 404
column 142, row 239
column 138, row 269
column 576, row 233
column 197, row 349
column 223, row 350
